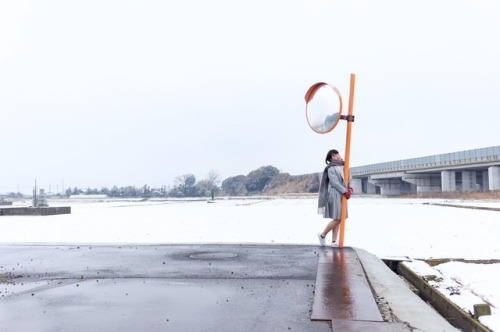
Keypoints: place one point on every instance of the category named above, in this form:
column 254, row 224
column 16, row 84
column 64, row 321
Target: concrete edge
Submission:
column 34, row 211
column 455, row 314
column 405, row 306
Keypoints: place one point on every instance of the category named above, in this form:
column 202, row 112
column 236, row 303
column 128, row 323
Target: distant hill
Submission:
column 267, row 180
column 285, row 183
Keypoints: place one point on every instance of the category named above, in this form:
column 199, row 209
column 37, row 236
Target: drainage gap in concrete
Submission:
column 450, row 311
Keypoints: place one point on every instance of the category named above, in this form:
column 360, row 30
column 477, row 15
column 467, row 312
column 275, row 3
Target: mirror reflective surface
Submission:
column 323, row 107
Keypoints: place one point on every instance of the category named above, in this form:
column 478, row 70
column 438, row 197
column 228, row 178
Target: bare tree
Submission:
column 213, row 181
column 209, row 186
column 185, row 185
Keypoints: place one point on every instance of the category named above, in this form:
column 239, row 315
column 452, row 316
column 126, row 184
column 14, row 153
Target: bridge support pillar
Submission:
column 485, row 183
column 388, row 186
column 371, row 189
column 494, row 178
column 448, row 182
column 357, row 185
column 425, row 183
column 469, row 181
column 364, row 186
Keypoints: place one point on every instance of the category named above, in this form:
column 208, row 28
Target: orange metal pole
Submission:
column 346, row 160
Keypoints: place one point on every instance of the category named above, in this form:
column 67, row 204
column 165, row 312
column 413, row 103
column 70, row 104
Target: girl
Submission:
column 331, row 189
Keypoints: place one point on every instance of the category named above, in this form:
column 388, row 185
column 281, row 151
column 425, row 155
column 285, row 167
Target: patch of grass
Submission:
column 6, row 278
column 437, row 261
column 486, row 195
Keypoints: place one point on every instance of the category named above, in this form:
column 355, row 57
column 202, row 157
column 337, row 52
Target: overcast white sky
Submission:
column 108, row 92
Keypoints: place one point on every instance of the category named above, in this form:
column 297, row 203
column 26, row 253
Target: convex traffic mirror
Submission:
column 323, row 107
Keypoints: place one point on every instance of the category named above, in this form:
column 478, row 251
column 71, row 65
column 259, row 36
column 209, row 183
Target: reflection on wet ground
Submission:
column 342, row 291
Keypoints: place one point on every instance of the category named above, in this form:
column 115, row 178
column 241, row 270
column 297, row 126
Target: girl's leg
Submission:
column 335, row 232
column 331, row 226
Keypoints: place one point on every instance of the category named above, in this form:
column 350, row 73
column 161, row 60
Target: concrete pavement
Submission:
column 197, row 287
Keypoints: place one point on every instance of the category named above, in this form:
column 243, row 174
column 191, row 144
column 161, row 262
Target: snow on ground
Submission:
column 465, row 284
column 383, row 226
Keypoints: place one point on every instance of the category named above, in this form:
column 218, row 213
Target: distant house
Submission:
column 88, row 196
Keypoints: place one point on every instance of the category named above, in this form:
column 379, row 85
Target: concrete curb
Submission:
column 33, row 211
column 455, row 315
column 404, row 305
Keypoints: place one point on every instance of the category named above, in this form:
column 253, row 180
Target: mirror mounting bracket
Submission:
column 349, row 118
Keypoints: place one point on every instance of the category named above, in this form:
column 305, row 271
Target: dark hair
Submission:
column 329, row 155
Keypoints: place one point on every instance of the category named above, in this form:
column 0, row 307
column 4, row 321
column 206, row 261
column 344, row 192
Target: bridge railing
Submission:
column 447, row 159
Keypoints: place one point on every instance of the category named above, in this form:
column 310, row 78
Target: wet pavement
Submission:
column 342, row 290
column 209, row 287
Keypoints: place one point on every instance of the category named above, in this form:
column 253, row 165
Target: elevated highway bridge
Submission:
column 466, row 171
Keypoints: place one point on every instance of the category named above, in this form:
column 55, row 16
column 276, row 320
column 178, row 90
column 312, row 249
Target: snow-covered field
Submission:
column 383, row 226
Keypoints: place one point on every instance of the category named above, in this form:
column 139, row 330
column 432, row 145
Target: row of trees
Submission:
column 185, row 186
column 265, row 180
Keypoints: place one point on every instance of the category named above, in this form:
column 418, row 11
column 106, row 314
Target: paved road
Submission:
column 178, row 288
